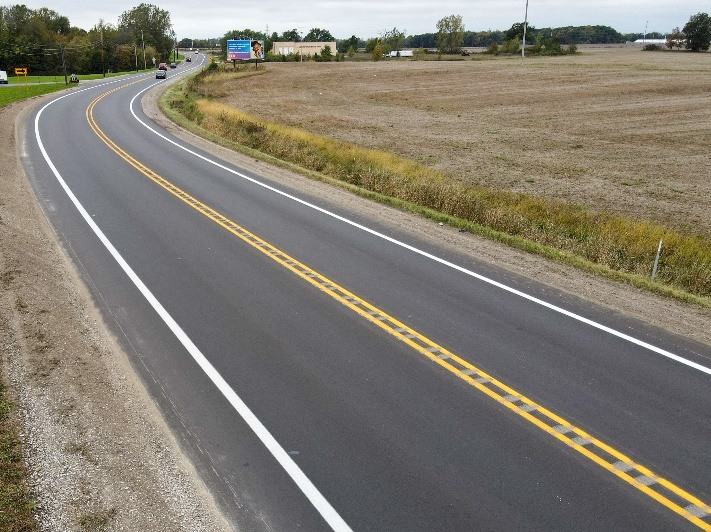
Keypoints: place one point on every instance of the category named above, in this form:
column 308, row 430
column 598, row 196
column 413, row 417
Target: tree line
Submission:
column 451, row 37
column 44, row 41
column 566, row 35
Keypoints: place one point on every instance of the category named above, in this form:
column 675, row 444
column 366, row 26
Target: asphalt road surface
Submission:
column 322, row 374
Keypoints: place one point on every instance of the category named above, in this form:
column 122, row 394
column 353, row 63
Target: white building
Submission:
column 301, row 48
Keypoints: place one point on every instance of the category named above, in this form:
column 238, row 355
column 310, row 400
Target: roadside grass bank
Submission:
column 59, row 78
column 17, row 90
column 598, row 242
column 9, row 95
column 16, row 505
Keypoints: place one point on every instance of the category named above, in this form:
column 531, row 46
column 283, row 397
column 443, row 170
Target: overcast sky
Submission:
column 368, row 18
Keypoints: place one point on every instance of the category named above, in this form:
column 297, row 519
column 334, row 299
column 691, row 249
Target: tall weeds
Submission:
column 620, row 244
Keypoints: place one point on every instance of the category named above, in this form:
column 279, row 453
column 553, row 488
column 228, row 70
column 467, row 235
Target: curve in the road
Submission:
column 538, row 301
column 658, row 488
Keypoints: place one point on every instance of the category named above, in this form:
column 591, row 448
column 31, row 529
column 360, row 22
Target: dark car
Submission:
column 173, row 65
column 188, row 59
column 162, row 66
column 161, row 74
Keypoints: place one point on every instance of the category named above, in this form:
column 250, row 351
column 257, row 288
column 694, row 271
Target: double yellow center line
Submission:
column 638, row 476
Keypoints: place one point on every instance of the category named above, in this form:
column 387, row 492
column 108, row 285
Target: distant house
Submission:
column 650, row 41
column 301, row 48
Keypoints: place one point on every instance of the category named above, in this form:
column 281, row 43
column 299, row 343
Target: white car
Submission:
column 3, row 77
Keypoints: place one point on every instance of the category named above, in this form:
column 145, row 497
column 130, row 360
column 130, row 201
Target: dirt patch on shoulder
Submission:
column 99, row 454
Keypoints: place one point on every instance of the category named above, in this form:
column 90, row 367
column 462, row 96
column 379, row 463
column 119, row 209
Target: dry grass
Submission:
column 612, row 129
column 602, row 232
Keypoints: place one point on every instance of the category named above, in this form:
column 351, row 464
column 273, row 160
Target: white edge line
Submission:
column 497, row 284
column 329, row 514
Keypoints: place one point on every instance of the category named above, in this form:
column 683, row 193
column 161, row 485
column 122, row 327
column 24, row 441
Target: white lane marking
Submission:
column 423, row 253
column 324, row 508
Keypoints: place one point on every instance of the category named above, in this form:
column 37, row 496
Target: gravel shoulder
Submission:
column 100, row 455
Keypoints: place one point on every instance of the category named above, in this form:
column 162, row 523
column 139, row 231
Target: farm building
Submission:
column 301, row 48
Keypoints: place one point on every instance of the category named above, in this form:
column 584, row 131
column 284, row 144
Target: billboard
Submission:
column 244, row 50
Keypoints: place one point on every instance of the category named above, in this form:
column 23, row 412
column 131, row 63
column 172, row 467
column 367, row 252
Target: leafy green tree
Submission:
column 371, row 44
column 516, row 31
column 346, row 44
column 378, row 51
column 425, row 40
column 450, row 34
column 318, row 35
column 698, row 32
column 326, row 54
column 155, row 24
column 15, row 18
column 53, row 21
column 393, row 39
column 291, row 36
column 512, row 46
column 124, row 59
column 675, row 39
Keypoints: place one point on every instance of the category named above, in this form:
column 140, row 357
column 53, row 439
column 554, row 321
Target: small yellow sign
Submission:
column 20, row 71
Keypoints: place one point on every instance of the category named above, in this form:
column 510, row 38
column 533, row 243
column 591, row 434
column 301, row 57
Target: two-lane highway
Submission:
column 323, row 371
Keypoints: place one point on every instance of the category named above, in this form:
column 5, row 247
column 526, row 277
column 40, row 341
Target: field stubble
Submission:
column 582, row 155
column 613, row 129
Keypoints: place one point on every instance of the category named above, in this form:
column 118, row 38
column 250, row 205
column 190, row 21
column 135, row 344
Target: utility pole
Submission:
column 64, row 66
column 135, row 54
column 143, row 45
column 525, row 23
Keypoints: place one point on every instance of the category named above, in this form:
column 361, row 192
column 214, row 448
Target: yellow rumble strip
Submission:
column 638, row 476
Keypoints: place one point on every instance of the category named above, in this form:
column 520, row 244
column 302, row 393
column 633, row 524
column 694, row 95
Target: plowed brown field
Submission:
column 612, row 128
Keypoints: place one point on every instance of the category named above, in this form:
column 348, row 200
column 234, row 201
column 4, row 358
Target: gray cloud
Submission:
column 368, row 18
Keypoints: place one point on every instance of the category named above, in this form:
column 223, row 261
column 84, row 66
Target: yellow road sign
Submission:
column 20, row 71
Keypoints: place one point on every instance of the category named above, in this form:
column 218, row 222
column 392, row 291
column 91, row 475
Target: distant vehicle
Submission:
column 188, row 59
column 161, row 74
column 196, row 51
column 173, row 65
column 162, row 66
column 3, row 77
column 401, row 53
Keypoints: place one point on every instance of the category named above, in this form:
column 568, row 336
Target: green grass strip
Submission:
column 15, row 93
column 18, row 90
column 16, row 506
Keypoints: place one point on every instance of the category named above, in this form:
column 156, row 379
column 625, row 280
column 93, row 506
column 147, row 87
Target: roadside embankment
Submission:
column 98, row 454
column 594, row 241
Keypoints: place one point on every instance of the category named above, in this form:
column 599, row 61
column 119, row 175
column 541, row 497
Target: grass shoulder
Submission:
column 596, row 242
column 16, row 93
column 18, row 90
column 16, row 505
